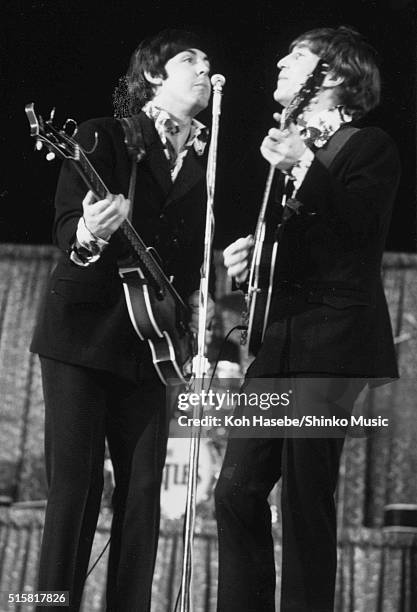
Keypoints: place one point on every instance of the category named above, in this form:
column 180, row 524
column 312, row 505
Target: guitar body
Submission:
column 258, row 306
column 161, row 323
column 261, row 273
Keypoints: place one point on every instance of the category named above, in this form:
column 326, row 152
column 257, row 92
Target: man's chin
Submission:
column 281, row 98
column 278, row 97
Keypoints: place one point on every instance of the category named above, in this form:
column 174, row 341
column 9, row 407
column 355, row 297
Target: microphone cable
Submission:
column 98, row 558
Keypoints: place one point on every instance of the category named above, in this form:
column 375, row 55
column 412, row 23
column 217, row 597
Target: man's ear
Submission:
column 154, row 80
column 331, row 80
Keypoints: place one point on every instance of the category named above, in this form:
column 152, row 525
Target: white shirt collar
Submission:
column 166, row 124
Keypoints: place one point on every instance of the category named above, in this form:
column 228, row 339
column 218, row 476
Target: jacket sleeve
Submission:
column 95, row 136
column 355, row 201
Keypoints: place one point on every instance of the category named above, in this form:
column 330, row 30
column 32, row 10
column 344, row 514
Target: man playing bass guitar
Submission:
column 99, row 378
column 328, row 327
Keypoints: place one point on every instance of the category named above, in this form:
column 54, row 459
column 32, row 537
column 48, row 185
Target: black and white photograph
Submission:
column 208, row 306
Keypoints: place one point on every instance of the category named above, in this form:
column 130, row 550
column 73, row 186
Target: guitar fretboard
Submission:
column 137, row 247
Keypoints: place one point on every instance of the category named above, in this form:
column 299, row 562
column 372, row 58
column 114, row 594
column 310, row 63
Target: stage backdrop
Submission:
column 377, row 570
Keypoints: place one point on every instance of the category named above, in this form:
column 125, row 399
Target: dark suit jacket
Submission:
column 329, row 313
column 84, row 319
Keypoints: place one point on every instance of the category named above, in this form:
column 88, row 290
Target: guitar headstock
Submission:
column 58, row 141
column 306, row 93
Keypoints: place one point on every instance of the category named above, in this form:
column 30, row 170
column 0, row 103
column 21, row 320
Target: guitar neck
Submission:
column 305, row 95
column 294, row 108
column 265, row 200
column 289, row 115
column 148, row 262
column 131, row 238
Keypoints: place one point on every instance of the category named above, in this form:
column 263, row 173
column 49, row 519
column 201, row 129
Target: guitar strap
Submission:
column 332, row 147
column 136, row 149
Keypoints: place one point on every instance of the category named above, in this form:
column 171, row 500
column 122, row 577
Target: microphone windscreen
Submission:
column 218, row 79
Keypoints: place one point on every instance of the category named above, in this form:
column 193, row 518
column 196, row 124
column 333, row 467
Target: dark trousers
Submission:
column 309, row 470
column 83, row 407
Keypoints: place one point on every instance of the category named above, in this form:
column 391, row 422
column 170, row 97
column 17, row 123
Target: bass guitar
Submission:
column 157, row 312
column 258, row 294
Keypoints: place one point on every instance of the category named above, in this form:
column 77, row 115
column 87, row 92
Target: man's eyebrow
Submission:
column 301, row 46
column 194, row 52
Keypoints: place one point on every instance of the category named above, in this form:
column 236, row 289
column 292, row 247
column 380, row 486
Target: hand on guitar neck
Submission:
column 103, row 217
column 283, row 148
column 237, row 258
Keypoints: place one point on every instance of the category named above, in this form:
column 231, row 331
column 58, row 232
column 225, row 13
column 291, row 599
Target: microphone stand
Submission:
column 200, row 363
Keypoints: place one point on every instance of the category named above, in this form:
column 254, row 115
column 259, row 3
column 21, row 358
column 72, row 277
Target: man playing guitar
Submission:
column 328, row 326
column 99, row 380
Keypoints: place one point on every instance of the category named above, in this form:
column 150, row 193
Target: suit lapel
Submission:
column 191, row 171
column 190, row 174
column 155, row 157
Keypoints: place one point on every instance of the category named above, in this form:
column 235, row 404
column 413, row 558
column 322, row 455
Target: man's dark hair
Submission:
column 349, row 56
column 134, row 90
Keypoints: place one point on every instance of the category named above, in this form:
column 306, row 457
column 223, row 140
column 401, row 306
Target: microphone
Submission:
column 218, row 81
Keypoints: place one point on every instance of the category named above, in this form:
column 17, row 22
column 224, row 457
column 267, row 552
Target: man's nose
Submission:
column 282, row 62
column 202, row 67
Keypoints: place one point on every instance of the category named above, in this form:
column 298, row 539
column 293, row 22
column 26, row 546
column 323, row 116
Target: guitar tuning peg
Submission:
column 50, row 156
column 52, row 114
column 38, row 145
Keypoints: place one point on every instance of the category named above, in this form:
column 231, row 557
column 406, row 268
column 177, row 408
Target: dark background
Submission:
column 69, row 54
